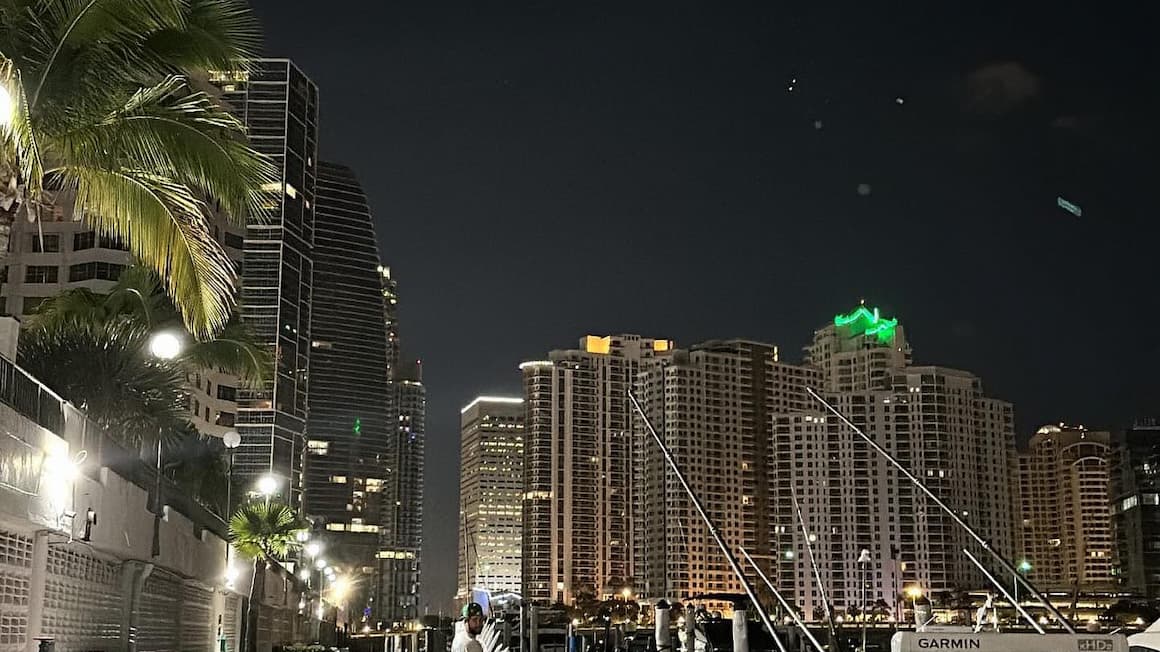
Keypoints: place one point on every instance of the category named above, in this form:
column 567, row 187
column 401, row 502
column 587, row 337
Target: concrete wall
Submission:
column 99, row 585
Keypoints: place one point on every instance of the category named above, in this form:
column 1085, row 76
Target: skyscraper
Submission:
column 937, row 422
column 711, row 404
column 1136, row 507
column 755, row 445
column 1066, row 521
column 350, row 419
column 279, row 105
column 491, row 490
column 400, row 559
column 579, row 453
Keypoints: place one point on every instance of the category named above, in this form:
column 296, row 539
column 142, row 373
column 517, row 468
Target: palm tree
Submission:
column 92, row 349
column 264, row 532
column 99, row 111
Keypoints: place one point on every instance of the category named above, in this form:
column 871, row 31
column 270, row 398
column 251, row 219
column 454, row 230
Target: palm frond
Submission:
column 107, row 371
column 236, row 351
column 166, row 228
column 58, row 30
column 265, row 530
column 69, row 308
column 172, row 131
column 219, row 35
column 19, row 139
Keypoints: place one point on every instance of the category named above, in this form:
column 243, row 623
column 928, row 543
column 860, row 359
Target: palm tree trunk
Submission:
column 257, row 591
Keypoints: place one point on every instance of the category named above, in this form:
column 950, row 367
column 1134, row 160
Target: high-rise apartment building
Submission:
column 1064, row 478
column 937, row 422
column 1136, row 507
column 279, row 105
column 402, row 530
column 712, row 406
column 756, row 447
column 350, row 420
column 579, row 453
column 491, row 492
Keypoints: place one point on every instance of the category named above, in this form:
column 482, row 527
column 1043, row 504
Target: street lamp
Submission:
column 914, row 593
column 864, row 560
column 320, row 564
column 312, row 549
column 267, row 486
column 1025, row 568
column 164, row 345
column 231, row 440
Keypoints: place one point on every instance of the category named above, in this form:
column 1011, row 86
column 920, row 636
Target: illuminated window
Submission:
column 338, row 479
column 318, row 447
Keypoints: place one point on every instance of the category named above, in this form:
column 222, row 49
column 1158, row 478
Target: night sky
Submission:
column 542, row 170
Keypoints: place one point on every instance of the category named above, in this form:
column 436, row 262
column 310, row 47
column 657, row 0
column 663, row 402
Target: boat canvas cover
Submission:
column 991, row 642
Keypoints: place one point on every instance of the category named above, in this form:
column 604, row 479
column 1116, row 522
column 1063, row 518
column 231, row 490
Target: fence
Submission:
column 139, row 578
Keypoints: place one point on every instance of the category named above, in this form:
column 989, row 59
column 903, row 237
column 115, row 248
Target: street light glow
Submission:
column 313, row 548
column 7, row 107
column 913, row 592
column 320, row 564
column 304, row 574
column 267, row 485
column 164, row 346
column 1024, row 566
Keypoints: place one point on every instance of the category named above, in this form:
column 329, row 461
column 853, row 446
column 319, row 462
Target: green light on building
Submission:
column 357, row 427
column 869, row 323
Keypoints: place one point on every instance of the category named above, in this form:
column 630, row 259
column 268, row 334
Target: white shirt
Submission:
column 464, row 642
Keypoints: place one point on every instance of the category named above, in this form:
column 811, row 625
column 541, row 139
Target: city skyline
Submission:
column 695, row 170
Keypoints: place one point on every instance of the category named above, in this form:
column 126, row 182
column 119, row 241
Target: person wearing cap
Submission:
column 466, row 639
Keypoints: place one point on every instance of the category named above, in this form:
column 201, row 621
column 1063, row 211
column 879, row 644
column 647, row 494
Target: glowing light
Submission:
column 7, row 107
column 357, row 426
column 789, row 554
column 913, row 592
column 339, row 589
column 165, row 346
column 304, row 574
column 313, row 548
column 1069, row 207
column 231, row 575
column 598, row 345
column 509, row 400
column 662, row 345
column 320, row 564
column 868, row 323
column 267, row 485
column 532, row 364
column 1024, row 566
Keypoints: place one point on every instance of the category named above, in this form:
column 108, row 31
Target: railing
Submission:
column 33, row 400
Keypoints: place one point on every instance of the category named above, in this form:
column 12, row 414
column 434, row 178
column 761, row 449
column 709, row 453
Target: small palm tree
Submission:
column 101, row 113
column 265, row 532
column 92, row 349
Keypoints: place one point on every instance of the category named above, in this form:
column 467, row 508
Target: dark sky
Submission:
column 542, row 170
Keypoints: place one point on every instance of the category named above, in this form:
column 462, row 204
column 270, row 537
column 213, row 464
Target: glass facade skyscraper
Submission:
column 279, row 105
column 349, row 403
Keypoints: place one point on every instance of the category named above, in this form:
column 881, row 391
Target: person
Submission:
column 466, row 639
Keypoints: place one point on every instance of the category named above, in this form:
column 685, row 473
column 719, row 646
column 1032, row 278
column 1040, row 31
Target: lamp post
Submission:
column 864, row 560
column 164, row 346
column 914, row 593
column 1025, row 568
column 231, row 440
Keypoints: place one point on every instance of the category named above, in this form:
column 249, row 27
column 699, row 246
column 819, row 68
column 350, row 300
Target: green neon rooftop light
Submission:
column 357, row 427
column 870, row 323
